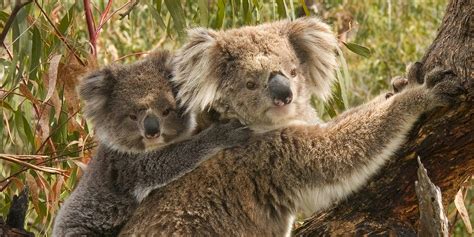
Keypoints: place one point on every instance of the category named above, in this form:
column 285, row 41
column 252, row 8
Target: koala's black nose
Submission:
column 280, row 90
column 152, row 127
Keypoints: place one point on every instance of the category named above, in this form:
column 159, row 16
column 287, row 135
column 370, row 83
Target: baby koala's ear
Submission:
column 315, row 46
column 194, row 64
column 95, row 89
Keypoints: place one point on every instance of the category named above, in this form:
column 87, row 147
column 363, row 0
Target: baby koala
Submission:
column 134, row 110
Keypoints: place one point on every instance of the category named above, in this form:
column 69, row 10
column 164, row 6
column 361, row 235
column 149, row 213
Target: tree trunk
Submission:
column 444, row 139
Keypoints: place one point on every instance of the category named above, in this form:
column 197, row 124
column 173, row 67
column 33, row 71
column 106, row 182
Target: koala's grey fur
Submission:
column 115, row 181
column 256, row 189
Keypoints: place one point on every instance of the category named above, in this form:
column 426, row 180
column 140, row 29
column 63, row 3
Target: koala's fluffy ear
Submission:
column 94, row 90
column 315, row 46
column 194, row 64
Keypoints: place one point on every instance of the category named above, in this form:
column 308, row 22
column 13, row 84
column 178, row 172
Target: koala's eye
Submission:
column 251, row 85
column 133, row 117
column 293, row 72
column 170, row 76
column 166, row 112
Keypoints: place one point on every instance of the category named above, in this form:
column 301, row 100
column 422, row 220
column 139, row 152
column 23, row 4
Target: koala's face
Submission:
column 133, row 107
column 262, row 75
column 261, row 83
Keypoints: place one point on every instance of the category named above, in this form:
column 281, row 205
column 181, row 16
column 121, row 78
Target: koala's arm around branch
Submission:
column 345, row 153
column 157, row 168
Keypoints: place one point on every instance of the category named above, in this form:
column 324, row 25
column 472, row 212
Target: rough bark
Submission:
column 444, row 139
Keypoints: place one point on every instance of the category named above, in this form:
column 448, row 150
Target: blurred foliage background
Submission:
column 44, row 139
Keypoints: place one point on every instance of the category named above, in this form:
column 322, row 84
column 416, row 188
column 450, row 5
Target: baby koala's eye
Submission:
column 166, row 112
column 133, row 117
column 251, row 85
column 293, row 72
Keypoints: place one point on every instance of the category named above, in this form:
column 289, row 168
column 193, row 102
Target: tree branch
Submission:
column 444, row 138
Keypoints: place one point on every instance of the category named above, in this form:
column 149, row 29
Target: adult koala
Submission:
column 255, row 189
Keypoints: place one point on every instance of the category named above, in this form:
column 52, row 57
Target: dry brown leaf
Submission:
column 81, row 165
column 34, row 191
column 55, row 101
column 69, row 75
column 56, row 193
column 45, row 187
column 459, row 203
column 43, row 124
column 52, row 75
column 27, row 93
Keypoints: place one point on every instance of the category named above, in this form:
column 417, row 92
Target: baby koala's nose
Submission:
column 152, row 127
column 280, row 89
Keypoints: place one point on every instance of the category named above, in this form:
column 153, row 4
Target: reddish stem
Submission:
column 90, row 26
column 104, row 16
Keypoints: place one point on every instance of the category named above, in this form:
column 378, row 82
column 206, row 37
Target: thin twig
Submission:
column 129, row 10
column 58, row 33
column 103, row 16
column 8, row 51
column 50, row 170
column 18, row 6
column 57, row 158
column 131, row 54
column 113, row 13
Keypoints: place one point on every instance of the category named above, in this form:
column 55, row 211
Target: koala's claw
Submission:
column 414, row 73
column 437, row 75
column 445, row 85
column 399, row 83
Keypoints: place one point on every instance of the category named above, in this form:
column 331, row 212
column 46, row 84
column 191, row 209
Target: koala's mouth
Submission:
column 153, row 143
column 279, row 114
column 286, row 110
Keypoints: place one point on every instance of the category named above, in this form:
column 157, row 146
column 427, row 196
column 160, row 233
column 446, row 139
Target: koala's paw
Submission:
column 444, row 85
column 232, row 133
column 398, row 84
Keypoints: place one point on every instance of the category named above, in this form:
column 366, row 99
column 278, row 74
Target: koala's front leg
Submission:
column 158, row 168
column 348, row 151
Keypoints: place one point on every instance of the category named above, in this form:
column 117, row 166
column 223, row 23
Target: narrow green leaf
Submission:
column 65, row 22
column 4, row 16
column 203, row 12
column 343, row 77
column 28, row 132
column 358, row 49
column 220, row 14
column 177, row 13
column 158, row 4
column 246, row 12
column 256, row 8
column 35, row 53
column 156, row 15
column 282, row 10
column 6, row 105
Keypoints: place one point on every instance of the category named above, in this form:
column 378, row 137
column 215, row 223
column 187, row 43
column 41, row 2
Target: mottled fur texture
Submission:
column 229, row 71
column 117, row 100
column 255, row 189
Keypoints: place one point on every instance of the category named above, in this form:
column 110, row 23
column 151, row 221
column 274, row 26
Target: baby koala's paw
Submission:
column 444, row 85
column 228, row 134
